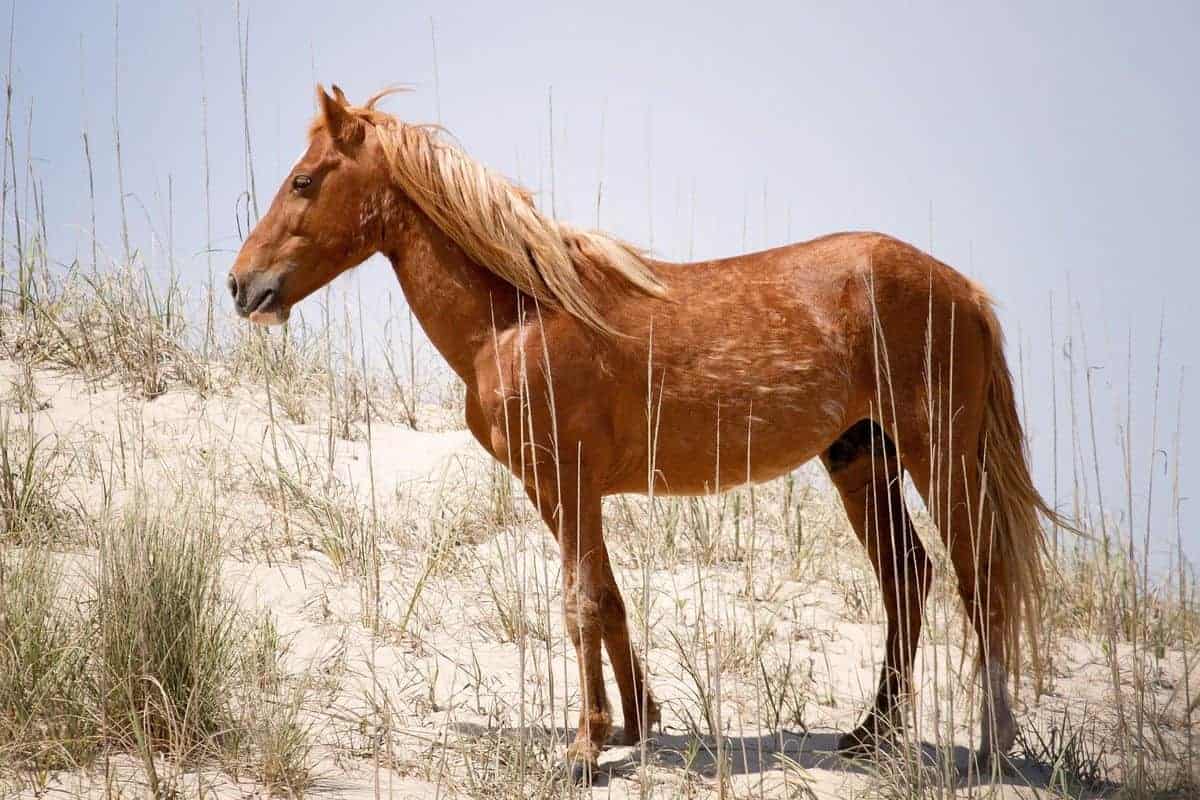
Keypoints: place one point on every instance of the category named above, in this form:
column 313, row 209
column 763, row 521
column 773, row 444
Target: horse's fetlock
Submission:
column 597, row 724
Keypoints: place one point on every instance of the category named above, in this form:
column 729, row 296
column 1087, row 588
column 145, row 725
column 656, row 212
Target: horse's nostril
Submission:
column 232, row 283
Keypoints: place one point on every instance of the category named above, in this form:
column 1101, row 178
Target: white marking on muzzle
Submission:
column 276, row 316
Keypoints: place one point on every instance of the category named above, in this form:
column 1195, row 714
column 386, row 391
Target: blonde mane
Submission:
column 497, row 224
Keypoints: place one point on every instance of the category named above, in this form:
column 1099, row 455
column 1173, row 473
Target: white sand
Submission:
column 456, row 686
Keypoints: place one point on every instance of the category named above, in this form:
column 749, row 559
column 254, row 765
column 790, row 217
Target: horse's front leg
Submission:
column 640, row 711
column 589, row 607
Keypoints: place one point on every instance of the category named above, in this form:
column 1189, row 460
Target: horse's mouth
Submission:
column 269, row 311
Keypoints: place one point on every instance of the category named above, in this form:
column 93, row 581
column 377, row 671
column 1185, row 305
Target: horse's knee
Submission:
column 583, row 616
column 598, row 607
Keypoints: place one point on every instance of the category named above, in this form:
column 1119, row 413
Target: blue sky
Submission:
column 1048, row 150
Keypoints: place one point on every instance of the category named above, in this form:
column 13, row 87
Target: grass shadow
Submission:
column 813, row 750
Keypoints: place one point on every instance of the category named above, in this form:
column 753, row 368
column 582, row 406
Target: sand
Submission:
column 465, row 661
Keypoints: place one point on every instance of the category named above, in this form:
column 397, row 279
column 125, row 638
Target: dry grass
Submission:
column 116, row 324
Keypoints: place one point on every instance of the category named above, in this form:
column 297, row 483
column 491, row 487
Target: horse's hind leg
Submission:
column 953, row 489
column 981, row 578
column 864, row 467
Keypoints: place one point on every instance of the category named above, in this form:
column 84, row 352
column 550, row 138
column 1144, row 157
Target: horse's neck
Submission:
column 457, row 302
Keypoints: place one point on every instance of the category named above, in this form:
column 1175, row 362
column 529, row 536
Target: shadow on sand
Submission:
column 813, row 750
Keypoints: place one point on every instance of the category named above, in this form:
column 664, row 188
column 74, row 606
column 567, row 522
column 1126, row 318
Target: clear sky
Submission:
column 1047, row 149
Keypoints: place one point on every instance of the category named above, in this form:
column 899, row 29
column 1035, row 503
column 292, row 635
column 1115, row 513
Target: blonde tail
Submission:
column 1018, row 543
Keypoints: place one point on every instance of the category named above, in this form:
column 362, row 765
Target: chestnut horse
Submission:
column 591, row 370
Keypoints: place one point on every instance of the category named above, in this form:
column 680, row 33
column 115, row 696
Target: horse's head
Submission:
column 326, row 217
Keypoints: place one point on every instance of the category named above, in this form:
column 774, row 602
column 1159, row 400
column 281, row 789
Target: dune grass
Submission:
column 144, row 651
column 47, row 711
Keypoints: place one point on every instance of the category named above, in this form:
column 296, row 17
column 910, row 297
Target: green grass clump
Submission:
column 31, row 479
column 168, row 635
column 46, row 717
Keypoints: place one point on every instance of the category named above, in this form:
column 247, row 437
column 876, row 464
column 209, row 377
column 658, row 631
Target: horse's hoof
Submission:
column 629, row 736
column 581, row 762
column 583, row 773
column 989, row 762
column 1000, row 740
column 862, row 742
column 633, row 732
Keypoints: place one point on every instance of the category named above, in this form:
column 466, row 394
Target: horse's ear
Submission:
column 344, row 128
column 339, row 95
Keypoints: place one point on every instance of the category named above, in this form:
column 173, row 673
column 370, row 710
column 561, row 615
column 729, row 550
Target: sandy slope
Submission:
column 461, row 695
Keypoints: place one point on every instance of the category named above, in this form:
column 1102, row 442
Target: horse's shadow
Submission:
column 811, row 750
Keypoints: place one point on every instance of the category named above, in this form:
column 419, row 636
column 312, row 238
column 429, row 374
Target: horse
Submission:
column 592, row 369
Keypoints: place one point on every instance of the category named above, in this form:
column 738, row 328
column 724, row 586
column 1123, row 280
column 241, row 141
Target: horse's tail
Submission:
column 1017, row 542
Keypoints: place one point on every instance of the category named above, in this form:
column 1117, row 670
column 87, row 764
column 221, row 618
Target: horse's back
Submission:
column 752, row 364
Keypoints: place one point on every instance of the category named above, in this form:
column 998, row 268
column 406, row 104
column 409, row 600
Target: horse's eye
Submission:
column 301, row 182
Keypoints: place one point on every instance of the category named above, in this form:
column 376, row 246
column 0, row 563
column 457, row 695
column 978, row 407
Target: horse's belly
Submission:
column 697, row 465
column 711, row 433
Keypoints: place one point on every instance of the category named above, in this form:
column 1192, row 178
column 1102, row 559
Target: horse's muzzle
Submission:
column 257, row 297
